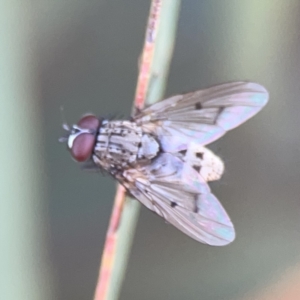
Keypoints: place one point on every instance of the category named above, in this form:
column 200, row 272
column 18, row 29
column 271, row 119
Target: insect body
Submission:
column 160, row 155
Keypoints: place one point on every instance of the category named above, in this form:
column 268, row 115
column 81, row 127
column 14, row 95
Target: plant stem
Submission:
column 154, row 67
column 25, row 270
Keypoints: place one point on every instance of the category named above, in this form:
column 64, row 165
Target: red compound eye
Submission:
column 89, row 122
column 83, row 147
column 84, row 142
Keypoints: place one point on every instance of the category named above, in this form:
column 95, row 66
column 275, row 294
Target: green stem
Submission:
column 159, row 73
column 24, row 268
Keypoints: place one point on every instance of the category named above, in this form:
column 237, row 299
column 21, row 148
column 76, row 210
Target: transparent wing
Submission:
column 176, row 192
column 202, row 116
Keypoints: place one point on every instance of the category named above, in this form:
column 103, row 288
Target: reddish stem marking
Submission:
column 108, row 256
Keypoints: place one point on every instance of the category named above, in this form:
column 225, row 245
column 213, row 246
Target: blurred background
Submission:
column 83, row 56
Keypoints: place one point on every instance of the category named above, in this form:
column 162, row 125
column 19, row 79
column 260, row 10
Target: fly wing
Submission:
column 202, row 116
column 176, row 192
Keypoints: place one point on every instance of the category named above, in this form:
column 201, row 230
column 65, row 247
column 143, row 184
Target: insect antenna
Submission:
column 65, row 126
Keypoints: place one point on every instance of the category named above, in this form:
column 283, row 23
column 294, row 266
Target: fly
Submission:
column 160, row 157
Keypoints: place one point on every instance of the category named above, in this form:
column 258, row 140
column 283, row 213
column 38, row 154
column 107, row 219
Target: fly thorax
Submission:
column 121, row 144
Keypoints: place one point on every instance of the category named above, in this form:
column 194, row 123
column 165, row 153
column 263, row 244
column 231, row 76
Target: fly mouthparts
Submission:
column 63, row 139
